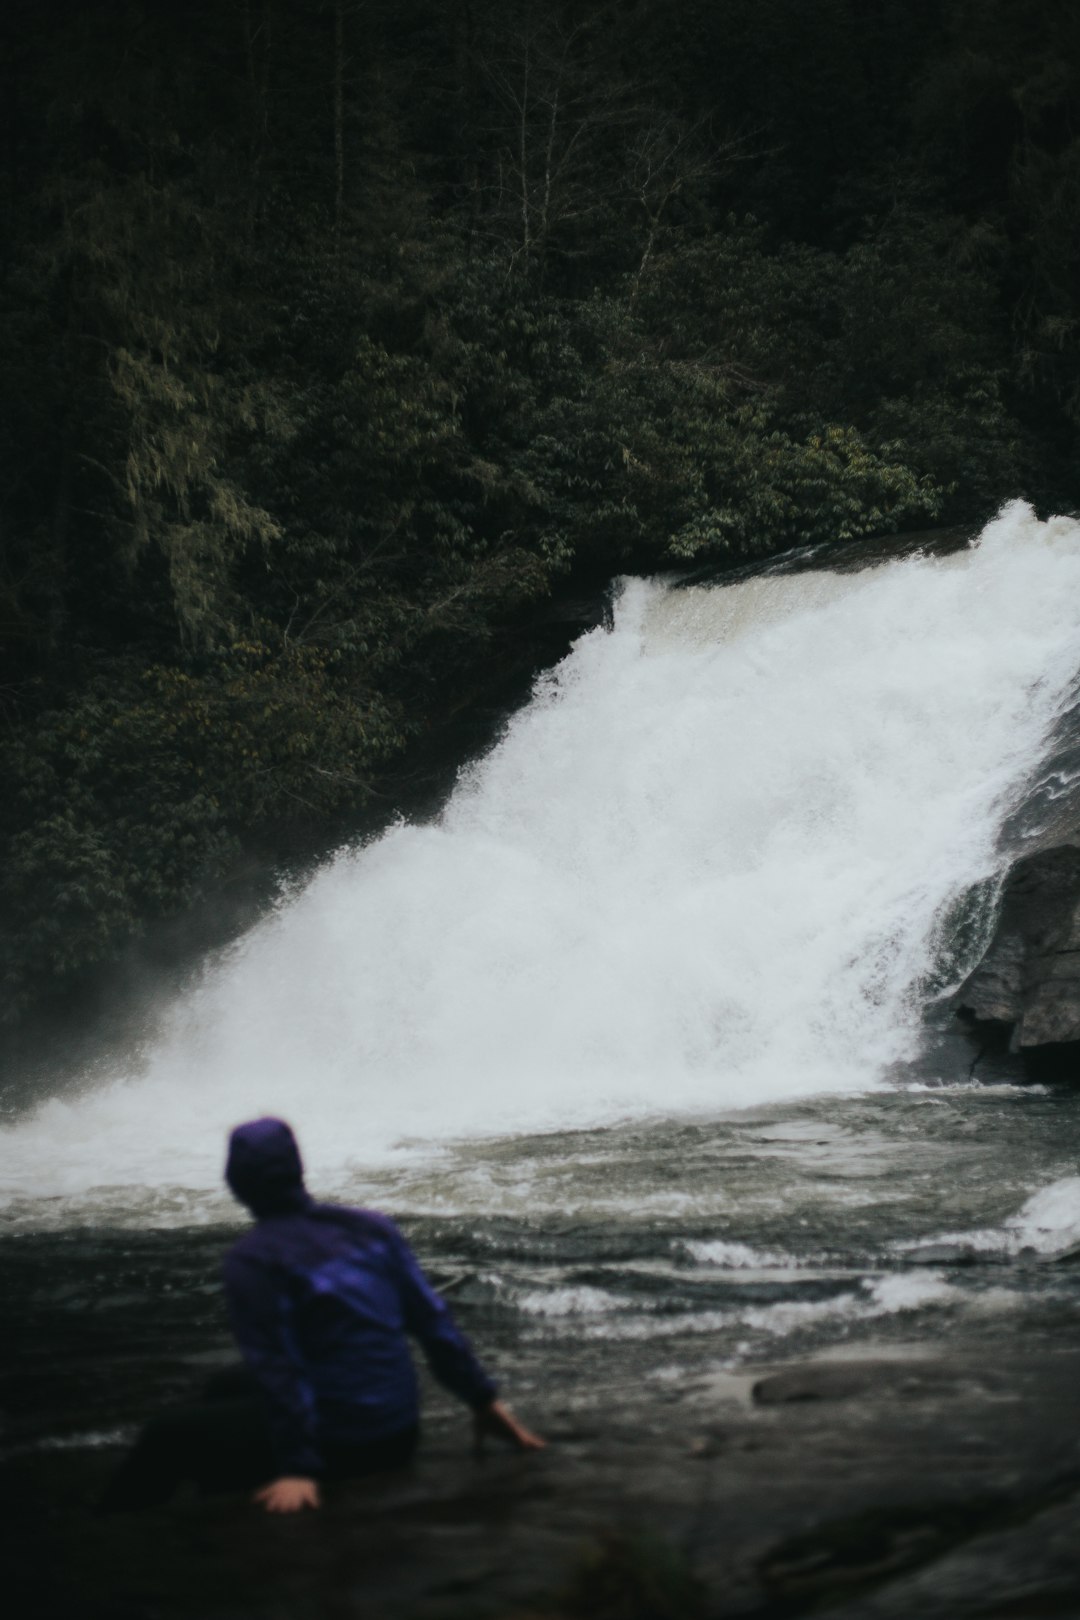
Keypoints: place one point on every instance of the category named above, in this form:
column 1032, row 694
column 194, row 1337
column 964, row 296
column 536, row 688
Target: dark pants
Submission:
column 223, row 1443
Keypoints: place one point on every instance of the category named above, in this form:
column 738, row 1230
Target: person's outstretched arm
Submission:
column 260, row 1314
column 450, row 1355
column 497, row 1419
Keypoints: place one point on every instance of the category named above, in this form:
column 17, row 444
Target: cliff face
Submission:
column 1027, row 985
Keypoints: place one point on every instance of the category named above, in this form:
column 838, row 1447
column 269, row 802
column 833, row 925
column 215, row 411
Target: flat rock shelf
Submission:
column 895, row 1482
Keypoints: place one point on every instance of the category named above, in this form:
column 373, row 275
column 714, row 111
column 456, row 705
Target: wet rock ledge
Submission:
column 1025, row 993
column 901, row 1482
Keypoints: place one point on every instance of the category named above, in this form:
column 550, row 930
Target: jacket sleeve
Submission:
column 260, row 1313
column 427, row 1316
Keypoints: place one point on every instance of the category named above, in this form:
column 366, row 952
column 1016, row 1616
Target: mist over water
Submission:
column 707, row 868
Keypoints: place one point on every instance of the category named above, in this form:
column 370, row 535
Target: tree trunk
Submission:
column 257, row 43
column 339, row 120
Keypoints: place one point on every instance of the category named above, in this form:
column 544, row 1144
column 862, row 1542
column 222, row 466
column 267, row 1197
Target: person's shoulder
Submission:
column 302, row 1237
column 364, row 1222
column 278, row 1243
column 250, row 1246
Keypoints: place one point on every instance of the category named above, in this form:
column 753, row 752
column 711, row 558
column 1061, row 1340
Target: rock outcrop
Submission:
column 1027, row 986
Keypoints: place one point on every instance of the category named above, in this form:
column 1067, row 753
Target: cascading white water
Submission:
column 701, row 870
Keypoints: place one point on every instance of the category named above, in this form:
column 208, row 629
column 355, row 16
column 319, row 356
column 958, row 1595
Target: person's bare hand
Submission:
column 498, row 1420
column 289, row 1495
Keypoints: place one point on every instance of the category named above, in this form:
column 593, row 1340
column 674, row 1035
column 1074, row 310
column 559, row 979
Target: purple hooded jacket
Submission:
column 320, row 1299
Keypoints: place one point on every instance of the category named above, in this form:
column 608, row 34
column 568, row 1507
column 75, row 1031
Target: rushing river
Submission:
column 644, row 1039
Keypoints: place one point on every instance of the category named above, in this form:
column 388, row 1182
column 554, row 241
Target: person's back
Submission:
column 321, row 1299
column 326, row 1284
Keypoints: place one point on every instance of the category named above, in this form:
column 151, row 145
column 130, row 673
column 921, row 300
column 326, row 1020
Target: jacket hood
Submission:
column 264, row 1169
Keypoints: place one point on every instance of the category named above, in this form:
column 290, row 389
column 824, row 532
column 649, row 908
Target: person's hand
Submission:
column 498, row 1420
column 289, row 1495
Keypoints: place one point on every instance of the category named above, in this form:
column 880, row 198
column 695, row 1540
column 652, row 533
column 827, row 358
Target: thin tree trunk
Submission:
column 257, row 41
column 339, row 120
column 465, row 58
column 523, row 156
column 548, row 157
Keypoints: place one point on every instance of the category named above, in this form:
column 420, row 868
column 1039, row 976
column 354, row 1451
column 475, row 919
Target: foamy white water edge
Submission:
column 702, row 870
column 1048, row 1223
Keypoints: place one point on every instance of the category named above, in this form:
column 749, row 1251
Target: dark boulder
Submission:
column 1027, row 986
column 866, row 1380
column 942, row 1254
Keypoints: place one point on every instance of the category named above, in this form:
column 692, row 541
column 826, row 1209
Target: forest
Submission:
column 337, row 334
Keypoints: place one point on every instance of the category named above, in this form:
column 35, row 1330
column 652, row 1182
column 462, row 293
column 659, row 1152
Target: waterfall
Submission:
column 705, row 867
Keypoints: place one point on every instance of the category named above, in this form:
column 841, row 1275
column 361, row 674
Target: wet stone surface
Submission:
column 920, row 1482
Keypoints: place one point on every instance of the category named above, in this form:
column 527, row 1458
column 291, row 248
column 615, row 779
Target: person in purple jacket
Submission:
column 321, row 1300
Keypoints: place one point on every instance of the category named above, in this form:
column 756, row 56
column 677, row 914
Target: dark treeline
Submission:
column 335, row 331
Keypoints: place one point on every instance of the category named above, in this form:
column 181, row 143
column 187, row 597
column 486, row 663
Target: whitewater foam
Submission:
column 732, row 1256
column 594, row 1314
column 1048, row 1222
column 91, row 1440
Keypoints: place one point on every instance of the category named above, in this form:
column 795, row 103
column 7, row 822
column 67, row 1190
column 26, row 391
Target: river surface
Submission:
column 646, row 1039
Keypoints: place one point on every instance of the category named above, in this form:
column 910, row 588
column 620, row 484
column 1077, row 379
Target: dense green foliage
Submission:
column 333, row 333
